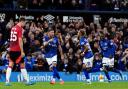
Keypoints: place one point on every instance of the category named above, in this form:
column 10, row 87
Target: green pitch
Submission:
column 68, row 85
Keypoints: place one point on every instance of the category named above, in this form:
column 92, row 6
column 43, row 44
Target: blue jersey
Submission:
column 108, row 48
column 84, row 42
column 121, row 65
column 51, row 48
column 29, row 63
column 97, row 64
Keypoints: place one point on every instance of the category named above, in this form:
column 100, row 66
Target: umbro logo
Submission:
column 49, row 17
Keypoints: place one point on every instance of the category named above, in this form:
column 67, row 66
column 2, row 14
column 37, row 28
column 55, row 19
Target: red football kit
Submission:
column 15, row 51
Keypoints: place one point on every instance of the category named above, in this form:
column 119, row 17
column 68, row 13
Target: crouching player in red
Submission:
column 16, row 52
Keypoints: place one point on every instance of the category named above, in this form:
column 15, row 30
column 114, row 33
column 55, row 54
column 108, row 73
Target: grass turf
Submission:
column 68, row 85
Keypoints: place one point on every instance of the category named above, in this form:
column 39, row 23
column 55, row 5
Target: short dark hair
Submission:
column 29, row 54
column 21, row 19
column 82, row 31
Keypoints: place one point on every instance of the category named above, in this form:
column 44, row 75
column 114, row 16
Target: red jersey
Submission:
column 16, row 33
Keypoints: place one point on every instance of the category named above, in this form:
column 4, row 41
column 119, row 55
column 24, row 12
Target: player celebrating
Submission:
column 51, row 45
column 16, row 51
column 87, row 53
column 108, row 49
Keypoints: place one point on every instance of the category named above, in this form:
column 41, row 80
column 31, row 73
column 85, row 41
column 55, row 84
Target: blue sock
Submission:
column 107, row 75
column 55, row 72
column 86, row 73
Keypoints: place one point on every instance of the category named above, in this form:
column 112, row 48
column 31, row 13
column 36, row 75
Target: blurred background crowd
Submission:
column 35, row 30
column 67, row 34
column 66, row 4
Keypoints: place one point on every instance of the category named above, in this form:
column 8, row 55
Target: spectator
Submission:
column 97, row 61
column 1, row 61
column 22, row 4
column 1, row 65
column 6, row 60
column 1, row 41
column 42, row 4
column 34, row 4
column 73, row 4
column 7, row 4
column 29, row 62
column 122, row 61
column 105, row 5
column 59, row 4
column 9, row 25
column 40, row 63
column 81, row 4
column 26, row 46
column 45, row 26
column 78, row 63
column 15, row 6
column 125, row 43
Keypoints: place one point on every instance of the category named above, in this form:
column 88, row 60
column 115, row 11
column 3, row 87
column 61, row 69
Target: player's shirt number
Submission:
column 13, row 35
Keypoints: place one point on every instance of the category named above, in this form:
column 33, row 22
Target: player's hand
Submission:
column 22, row 54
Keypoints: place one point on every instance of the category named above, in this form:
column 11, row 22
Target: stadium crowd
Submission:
column 66, row 4
column 67, row 34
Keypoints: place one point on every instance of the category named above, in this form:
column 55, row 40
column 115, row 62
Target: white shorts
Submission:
column 108, row 61
column 52, row 60
column 88, row 62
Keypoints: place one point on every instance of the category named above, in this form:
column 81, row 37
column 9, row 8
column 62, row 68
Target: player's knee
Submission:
column 11, row 64
column 22, row 65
